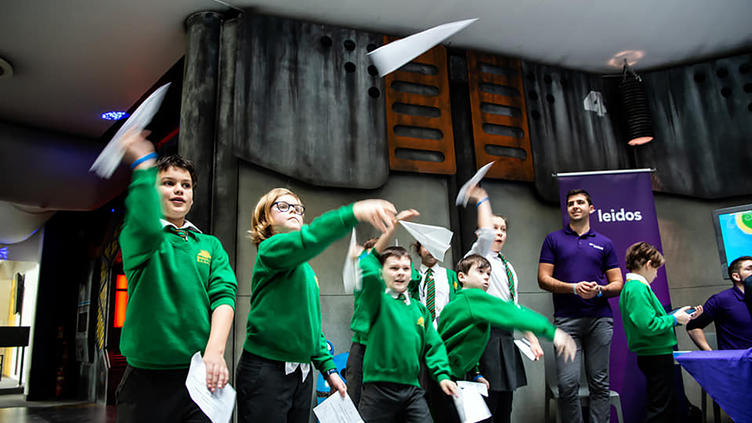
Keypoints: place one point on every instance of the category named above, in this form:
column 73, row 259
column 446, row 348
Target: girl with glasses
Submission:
column 283, row 333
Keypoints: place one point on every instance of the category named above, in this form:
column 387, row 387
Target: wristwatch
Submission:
column 330, row 372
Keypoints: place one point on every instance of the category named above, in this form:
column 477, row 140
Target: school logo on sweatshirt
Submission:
column 421, row 322
column 203, row 257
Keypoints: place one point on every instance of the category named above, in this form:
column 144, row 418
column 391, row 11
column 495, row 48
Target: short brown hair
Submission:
column 573, row 192
column 370, row 243
column 261, row 225
column 467, row 263
column 178, row 161
column 736, row 265
column 394, row 251
column 640, row 253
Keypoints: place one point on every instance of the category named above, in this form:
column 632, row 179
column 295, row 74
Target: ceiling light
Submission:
column 114, row 115
column 6, row 69
column 630, row 57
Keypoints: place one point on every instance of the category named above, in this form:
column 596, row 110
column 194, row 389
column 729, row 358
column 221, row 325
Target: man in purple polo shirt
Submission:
column 732, row 315
column 579, row 266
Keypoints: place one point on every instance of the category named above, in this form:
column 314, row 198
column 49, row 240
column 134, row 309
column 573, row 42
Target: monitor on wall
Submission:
column 733, row 233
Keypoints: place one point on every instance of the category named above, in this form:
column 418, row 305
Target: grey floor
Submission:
column 15, row 409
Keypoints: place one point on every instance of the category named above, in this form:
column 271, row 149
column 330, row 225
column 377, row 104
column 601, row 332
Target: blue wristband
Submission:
column 478, row 376
column 151, row 155
column 481, row 201
column 676, row 322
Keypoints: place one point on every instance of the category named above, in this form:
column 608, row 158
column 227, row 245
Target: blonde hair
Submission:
column 261, row 225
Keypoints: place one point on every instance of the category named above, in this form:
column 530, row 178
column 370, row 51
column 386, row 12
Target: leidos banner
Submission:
column 624, row 212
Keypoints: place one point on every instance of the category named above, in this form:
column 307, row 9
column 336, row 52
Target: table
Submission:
column 726, row 375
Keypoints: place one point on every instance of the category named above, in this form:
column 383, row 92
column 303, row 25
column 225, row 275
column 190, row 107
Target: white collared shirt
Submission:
column 499, row 284
column 186, row 225
column 637, row 277
column 395, row 295
column 441, row 284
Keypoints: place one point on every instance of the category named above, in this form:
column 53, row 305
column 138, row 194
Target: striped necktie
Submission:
column 179, row 232
column 510, row 278
column 402, row 297
column 430, row 294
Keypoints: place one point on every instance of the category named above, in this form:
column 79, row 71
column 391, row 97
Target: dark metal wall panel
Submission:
column 199, row 106
column 702, row 116
column 307, row 106
column 564, row 136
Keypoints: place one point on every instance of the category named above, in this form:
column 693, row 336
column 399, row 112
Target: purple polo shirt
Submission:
column 733, row 323
column 579, row 258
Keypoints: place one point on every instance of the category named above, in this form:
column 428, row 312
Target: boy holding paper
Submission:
column 400, row 338
column 181, row 291
column 650, row 330
column 466, row 323
column 501, row 362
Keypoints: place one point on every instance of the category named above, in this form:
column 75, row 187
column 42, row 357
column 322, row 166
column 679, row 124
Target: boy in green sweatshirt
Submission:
column 465, row 326
column 181, row 291
column 400, row 337
column 650, row 330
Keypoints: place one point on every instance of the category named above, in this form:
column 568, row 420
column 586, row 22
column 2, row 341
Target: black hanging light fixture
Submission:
column 636, row 108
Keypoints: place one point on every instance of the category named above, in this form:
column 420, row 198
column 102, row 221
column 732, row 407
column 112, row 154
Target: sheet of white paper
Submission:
column 480, row 387
column 470, row 405
column 109, row 159
column 396, row 54
column 336, row 409
column 216, row 405
column 524, row 348
column 462, row 196
column 435, row 238
column 351, row 270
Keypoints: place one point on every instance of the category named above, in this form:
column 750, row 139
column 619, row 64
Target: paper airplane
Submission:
column 435, row 239
column 462, row 196
column 351, row 270
column 396, row 54
column 110, row 157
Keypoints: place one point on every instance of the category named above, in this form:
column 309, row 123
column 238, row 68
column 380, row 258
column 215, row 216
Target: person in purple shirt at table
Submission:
column 730, row 311
column 579, row 266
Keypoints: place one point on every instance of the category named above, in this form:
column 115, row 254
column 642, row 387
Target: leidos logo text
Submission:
column 619, row 216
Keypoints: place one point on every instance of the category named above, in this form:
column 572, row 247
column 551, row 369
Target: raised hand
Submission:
column 379, row 213
column 137, row 146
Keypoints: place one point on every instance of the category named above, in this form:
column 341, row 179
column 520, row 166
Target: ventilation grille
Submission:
column 497, row 103
column 418, row 115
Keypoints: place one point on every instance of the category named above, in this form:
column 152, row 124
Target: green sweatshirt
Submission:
column 649, row 330
column 284, row 322
column 465, row 326
column 174, row 284
column 399, row 336
column 360, row 321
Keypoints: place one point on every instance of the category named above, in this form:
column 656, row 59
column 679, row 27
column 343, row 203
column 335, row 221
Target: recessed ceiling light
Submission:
column 114, row 115
column 630, row 56
column 6, row 69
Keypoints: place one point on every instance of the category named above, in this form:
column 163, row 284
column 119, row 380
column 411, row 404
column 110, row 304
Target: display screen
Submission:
column 733, row 233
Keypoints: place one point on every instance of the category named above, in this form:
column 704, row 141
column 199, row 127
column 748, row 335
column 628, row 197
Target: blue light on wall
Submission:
column 114, row 115
column 4, row 253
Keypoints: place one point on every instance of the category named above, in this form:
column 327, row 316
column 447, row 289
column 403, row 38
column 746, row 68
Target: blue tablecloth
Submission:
column 726, row 375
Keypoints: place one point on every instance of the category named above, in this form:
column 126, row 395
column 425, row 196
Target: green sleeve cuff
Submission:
column 223, row 301
column 441, row 377
column 348, row 216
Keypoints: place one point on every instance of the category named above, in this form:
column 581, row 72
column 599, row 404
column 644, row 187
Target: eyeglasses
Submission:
column 284, row 207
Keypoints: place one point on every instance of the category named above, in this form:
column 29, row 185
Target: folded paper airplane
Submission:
column 435, row 239
column 396, row 54
column 109, row 159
